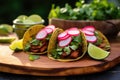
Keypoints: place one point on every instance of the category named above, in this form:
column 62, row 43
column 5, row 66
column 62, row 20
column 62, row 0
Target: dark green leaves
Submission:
column 35, row 42
column 96, row 10
column 27, row 47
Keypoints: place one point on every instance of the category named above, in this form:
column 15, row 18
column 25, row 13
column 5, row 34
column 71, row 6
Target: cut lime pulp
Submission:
column 16, row 45
column 96, row 52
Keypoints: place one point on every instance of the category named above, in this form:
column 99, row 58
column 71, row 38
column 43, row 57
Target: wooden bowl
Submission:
column 109, row 28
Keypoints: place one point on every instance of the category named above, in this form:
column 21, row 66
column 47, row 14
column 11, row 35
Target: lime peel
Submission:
column 7, row 39
column 96, row 52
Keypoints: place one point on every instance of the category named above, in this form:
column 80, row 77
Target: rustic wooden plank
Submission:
column 18, row 63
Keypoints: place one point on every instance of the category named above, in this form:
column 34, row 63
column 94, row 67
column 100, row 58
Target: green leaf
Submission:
column 52, row 13
column 35, row 42
column 77, row 39
column 99, row 39
column 27, row 47
column 60, row 53
column 33, row 57
column 59, row 49
column 74, row 47
column 48, row 37
column 79, row 3
column 67, row 50
column 55, row 54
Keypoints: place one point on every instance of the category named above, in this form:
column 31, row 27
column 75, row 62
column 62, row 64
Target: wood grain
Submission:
column 18, row 63
column 108, row 27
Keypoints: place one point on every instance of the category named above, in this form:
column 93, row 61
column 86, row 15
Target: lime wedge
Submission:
column 3, row 31
column 22, row 17
column 7, row 39
column 7, row 27
column 96, row 52
column 16, row 45
column 35, row 18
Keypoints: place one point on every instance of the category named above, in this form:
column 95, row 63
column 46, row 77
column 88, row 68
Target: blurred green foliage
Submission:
column 10, row 9
column 96, row 10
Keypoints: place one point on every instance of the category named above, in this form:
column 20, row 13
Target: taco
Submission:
column 96, row 37
column 68, row 45
column 36, row 38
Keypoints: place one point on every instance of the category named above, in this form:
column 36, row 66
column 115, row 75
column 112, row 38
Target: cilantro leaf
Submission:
column 33, row 57
column 27, row 47
column 34, row 42
column 74, row 47
column 67, row 50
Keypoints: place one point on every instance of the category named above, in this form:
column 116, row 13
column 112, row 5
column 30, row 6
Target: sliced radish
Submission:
column 48, row 30
column 50, row 26
column 73, row 32
column 65, row 42
column 62, row 35
column 65, row 37
column 89, row 28
column 91, row 39
column 41, row 34
column 89, row 33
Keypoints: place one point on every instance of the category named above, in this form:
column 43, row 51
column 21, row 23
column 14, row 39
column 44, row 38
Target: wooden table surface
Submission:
column 111, row 74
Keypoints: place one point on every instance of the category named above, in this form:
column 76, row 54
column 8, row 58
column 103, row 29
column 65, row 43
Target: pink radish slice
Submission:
column 65, row 42
column 89, row 28
column 89, row 33
column 73, row 32
column 48, row 30
column 91, row 39
column 50, row 26
column 63, row 38
column 63, row 34
column 41, row 34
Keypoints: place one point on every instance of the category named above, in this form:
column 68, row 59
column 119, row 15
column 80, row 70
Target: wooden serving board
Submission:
column 18, row 63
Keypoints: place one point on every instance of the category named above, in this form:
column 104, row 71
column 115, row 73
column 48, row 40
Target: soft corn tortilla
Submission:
column 105, row 40
column 31, row 32
column 53, row 42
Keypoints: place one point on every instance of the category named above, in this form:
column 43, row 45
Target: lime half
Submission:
column 22, row 17
column 7, row 39
column 35, row 18
column 96, row 52
column 7, row 27
column 16, row 45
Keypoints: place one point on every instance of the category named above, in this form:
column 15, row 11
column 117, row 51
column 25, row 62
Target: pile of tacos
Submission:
column 62, row 45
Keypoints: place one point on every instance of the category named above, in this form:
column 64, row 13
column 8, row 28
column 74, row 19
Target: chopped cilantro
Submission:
column 35, row 42
column 74, row 47
column 33, row 57
column 67, row 50
column 27, row 47
column 55, row 54
column 77, row 39
column 48, row 37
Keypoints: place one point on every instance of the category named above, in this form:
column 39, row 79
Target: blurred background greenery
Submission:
column 10, row 9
